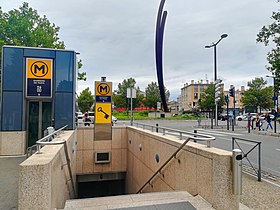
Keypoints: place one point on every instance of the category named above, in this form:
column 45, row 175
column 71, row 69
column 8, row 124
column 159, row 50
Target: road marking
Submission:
column 219, row 132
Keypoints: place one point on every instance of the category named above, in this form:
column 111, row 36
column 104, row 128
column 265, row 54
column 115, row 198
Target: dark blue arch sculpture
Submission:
column 161, row 18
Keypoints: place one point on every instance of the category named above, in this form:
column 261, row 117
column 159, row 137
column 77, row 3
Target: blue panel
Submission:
column 64, row 71
column 64, row 114
column 12, row 69
column 39, row 53
column 12, row 111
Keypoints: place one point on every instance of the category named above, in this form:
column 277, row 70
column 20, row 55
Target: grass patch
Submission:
column 143, row 115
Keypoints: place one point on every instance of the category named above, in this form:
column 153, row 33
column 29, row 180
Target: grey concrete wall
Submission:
column 9, row 181
column 43, row 178
column 197, row 169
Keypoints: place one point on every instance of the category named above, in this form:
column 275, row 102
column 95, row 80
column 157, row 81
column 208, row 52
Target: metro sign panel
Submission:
column 39, row 77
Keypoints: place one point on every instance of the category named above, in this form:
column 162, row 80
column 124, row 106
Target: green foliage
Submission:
column 119, row 95
column 81, row 75
column 258, row 94
column 208, row 99
column 85, row 100
column 25, row 27
column 271, row 35
column 152, row 95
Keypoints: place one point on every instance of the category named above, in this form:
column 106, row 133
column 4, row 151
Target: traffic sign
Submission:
column 39, row 77
column 103, row 88
column 103, row 113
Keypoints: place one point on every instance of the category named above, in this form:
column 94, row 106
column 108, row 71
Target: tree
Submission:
column 25, row 27
column 153, row 95
column 258, row 95
column 271, row 35
column 207, row 102
column 119, row 95
column 85, row 100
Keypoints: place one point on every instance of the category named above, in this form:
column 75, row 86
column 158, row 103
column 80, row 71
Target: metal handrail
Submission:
column 190, row 135
column 46, row 141
column 163, row 165
column 245, row 155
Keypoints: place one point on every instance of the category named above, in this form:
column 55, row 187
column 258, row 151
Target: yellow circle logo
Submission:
column 103, row 89
column 39, row 69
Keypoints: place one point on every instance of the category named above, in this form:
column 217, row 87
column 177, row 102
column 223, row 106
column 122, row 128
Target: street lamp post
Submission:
column 275, row 97
column 215, row 71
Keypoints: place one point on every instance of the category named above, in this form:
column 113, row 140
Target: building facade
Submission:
column 191, row 93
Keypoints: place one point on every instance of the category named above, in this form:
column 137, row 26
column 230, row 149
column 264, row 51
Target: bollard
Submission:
column 237, row 171
column 157, row 128
column 195, row 131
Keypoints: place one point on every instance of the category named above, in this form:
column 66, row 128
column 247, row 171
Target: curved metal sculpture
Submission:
column 161, row 18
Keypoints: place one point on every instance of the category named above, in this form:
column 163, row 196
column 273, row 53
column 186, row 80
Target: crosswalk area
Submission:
column 217, row 133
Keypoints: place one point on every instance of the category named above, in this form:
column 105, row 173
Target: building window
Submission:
column 195, row 95
column 195, row 88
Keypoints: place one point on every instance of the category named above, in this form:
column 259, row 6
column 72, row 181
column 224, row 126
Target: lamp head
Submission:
column 224, row 36
column 207, row 46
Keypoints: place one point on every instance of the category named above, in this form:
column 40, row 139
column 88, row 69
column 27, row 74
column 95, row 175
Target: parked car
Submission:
column 114, row 120
column 91, row 116
column 246, row 116
column 223, row 117
column 262, row 116
column 79, row 117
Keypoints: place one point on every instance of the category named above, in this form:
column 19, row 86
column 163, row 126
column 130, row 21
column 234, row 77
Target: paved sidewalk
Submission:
column 259, row 195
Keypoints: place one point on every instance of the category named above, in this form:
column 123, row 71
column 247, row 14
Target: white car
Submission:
column 114, row 120
column 79, row 117
column 262, row 116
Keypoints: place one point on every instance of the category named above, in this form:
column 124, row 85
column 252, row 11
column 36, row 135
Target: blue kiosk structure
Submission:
column 37, row 91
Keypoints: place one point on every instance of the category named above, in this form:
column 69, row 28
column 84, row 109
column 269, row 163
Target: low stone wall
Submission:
column 44, row 179
column 12, row 142
column 87, row 146
column 197, row 169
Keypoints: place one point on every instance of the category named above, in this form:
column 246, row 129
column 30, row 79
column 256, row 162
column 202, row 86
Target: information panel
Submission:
column 39, row 77
column 103, row 113
column 103, row 92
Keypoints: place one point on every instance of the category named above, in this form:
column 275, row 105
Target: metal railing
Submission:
column 192, row 136
column 245, row 155
column 47, row 140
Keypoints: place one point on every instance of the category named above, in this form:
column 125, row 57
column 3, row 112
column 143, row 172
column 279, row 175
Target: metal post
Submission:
column 215, row 78
column 249, row 119
column 259, row 171
column 131, row 120
column 211, row 119
column 157, row 128
column 227, row 115
column 237, row 171
column 195, row 131
column 274, row 103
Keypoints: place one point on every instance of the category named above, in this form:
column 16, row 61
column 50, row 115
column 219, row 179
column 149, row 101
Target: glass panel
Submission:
column 64, row 71
column 195, row 88
column 33, row 119
column 12, row 69
column 39, row 53
column 12, row 111
column 46, row 116
column 64, row 110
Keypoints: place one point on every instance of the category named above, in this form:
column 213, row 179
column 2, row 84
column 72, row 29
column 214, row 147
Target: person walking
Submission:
column 258, row 122
column 268, row 120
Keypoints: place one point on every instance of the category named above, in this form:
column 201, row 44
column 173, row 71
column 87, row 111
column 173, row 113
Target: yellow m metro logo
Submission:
column 39, row 68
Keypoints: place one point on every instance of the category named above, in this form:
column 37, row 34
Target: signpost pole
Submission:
column 131, row 120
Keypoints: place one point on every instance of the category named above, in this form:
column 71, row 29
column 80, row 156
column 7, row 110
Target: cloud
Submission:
column 116, row 38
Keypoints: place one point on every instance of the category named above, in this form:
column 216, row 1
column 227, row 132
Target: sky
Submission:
column 115, row 39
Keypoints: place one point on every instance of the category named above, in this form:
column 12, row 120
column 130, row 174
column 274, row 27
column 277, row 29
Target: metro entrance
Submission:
column 39, row 118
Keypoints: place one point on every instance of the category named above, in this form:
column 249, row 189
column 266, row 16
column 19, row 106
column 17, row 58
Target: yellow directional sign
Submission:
column 103, row 88
column 103, row 113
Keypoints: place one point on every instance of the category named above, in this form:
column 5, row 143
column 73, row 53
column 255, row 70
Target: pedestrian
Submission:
column 258, row 122
column 268, row 120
